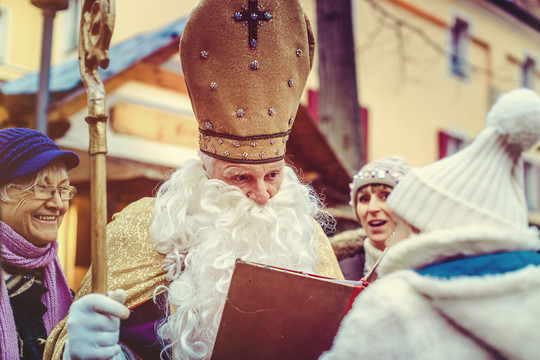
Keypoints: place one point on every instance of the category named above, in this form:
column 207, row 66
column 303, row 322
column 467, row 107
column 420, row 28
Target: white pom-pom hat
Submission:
column 481, row 184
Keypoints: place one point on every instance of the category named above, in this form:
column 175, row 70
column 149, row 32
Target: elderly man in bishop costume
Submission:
column 245, row 64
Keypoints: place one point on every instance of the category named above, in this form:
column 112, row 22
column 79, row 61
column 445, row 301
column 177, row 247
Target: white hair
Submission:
column 53, row 168
column 207, row 161
column 203, row 225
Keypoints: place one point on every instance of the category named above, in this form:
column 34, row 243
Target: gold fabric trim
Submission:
column 251, row 149
column 328, row 265
column 133, row 263
column 135, row 266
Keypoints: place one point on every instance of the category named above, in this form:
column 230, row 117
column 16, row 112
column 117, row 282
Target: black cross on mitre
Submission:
column 252, row 16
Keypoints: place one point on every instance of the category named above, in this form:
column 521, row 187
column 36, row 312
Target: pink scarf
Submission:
column 17, row 251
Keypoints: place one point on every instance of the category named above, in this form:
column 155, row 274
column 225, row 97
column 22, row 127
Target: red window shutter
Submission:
column 443, row 144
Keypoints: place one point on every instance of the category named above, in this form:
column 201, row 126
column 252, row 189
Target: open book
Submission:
column 274, row 313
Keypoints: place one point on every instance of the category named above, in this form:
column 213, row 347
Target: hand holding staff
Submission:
column 97, row 23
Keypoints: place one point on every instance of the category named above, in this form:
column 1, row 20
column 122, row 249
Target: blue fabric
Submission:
column 25, row 151
column 497, row 263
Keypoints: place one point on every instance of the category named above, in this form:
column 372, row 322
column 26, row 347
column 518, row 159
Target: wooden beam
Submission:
column 419, row 12
column 339, row 113
column 155, row 124
column 413, row 9
column 164, row 53
column 149, row 74
column 308, row 149
column 152, row 74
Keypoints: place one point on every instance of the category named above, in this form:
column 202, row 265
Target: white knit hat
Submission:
column 387, row 170
column 481, row 184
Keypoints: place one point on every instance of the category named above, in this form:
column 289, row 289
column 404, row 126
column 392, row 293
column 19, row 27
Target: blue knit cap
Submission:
column 26, row 151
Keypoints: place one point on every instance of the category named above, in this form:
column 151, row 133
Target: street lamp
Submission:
column 50, row 7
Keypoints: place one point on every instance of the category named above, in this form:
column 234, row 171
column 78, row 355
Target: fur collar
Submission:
column 372, row 255
column 435, row 246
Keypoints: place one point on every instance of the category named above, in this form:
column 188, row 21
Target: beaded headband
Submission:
column 373, row 176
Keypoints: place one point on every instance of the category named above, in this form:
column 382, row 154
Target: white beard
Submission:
column 203, row 226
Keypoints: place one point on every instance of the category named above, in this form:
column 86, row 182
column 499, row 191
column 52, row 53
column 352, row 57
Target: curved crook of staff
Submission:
column 97, row 23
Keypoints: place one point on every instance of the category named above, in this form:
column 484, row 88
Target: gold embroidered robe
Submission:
column 135, row 266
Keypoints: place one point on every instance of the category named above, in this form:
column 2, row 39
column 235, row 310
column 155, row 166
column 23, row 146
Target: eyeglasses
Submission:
column 45, row 192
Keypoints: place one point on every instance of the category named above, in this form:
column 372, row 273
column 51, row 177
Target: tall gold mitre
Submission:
column 245, row 64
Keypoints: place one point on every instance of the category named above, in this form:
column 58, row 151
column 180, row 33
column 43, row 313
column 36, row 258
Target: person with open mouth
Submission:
column 370, row 188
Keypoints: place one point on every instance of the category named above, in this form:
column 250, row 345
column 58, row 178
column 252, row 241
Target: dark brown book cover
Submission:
column 273, row 313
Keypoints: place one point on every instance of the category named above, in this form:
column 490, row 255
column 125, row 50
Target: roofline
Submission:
column 518, row 12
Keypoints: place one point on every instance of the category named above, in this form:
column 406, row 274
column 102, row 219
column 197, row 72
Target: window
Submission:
column 4, row 33
column 459, row 44
column 532, row 186
column 528, row 73
column 72, row 21
column 450, row 142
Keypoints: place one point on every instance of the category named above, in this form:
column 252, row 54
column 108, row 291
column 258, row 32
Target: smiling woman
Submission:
column 36, row 209
column 34, row 196
column 370, row 188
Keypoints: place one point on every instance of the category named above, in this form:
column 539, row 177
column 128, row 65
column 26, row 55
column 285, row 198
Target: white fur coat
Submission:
column 400, row 316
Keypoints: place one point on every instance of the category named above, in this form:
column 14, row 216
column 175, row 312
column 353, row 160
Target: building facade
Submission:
column 429, row 71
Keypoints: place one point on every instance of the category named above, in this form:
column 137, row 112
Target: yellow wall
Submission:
column 409, row 97
column 23, row 48
column 137, row 16
column 409, row 91
column 26, row 23
column 406, row 84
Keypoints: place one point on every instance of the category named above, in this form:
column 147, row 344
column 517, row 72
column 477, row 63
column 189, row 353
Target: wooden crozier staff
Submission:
column 97, row 23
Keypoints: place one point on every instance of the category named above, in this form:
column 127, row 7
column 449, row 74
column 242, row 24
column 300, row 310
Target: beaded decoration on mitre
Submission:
column 372, row 176
column 245, row 64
